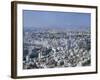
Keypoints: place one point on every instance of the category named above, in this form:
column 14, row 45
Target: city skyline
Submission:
column 48, row 42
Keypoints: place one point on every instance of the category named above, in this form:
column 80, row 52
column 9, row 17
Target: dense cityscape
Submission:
column 56, row 49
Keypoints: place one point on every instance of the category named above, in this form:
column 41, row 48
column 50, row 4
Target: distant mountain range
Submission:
column 57, row 28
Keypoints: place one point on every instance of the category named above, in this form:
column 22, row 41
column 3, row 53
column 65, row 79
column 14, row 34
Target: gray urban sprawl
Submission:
column 56, row 49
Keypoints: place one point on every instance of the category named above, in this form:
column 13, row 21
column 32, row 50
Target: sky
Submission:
column 54, row 19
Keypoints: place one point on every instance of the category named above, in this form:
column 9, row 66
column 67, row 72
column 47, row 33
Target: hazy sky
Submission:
column 55, row 19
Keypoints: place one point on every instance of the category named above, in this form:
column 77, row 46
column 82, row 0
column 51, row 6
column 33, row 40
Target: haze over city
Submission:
column 56, row 20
